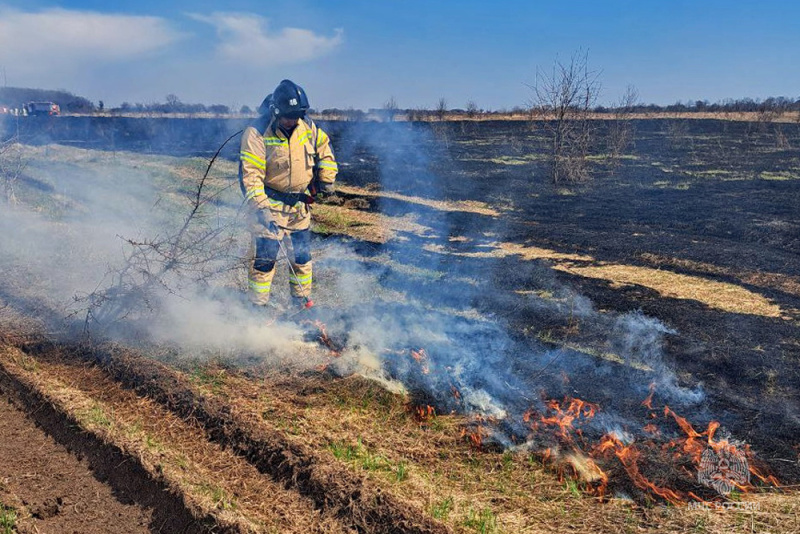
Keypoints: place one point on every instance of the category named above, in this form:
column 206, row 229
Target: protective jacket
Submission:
column 277, row 170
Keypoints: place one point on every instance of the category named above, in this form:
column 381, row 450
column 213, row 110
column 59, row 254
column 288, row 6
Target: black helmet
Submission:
column 263, row 109
column 289, row 100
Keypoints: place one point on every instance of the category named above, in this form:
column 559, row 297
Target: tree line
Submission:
column 17, row 96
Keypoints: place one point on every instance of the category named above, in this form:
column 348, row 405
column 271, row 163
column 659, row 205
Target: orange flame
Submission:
column 421, row 357
column 648, row 402
column 325, row 339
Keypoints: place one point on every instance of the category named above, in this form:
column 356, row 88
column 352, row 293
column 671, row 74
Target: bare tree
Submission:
column 390, row 108
column 564, row 98
column 472, row 109
column 620, row 131
column 441, row 108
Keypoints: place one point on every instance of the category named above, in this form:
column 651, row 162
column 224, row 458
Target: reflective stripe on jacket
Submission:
column 269, row 159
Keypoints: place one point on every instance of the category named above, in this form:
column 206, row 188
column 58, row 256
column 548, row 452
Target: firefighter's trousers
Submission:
column 266, row 253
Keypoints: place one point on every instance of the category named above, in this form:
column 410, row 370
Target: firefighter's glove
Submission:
column 265, row 219
column 324, row 190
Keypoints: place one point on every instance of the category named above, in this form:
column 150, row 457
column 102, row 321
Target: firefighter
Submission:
column 286, row 161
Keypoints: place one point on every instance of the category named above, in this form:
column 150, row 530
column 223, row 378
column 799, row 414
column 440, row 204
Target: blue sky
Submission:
column 359, row 53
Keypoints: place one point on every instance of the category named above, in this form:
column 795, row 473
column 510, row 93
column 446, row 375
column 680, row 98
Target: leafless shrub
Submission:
column 768, row 112
column 781, row 141
column 620, row 132
column 564, row 98
column 194, row 253
column 472, row 109
column 677, row 132
column 441, row 108
column 441, row 133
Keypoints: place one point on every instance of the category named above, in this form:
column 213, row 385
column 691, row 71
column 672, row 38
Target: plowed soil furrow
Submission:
column 356, row 502
column 61, row 480
column 51, row 490
column 212, row 483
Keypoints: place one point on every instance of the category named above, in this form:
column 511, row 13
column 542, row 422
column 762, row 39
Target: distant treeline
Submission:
column 173, row 104
column 779, row 104
column 771, row 105
column 15, row 97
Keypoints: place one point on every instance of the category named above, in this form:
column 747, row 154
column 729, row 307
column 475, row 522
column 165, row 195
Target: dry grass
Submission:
column 366, row 226
column 781, row 282
column 466, row 206
column 724, row 296
column 718, row 295
column 430, row 463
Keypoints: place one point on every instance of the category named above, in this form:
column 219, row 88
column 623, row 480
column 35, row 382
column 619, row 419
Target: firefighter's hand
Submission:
column 324, row 190
column 265, row 219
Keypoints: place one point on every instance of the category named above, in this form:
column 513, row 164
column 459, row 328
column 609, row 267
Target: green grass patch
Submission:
column 220, row 497
column 358, row 455
column 214, row 379
column 441, row 510
column 8, row 520
column 483, row 521
column 95, row 416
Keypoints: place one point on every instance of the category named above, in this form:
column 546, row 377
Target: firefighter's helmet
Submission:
column 289, row 100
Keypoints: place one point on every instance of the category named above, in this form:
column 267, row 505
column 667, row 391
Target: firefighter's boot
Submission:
column 260, row 283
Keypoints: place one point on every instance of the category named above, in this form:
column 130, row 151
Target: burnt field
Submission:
column 491, row 352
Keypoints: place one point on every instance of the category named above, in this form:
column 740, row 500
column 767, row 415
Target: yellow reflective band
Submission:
column 245, row 153
column 300, row 283
column 255, row 160
column 321, row 138
column 255, row 192
column 276, row 141
column 305, row 137
column 260, row 287
column 329, row 165
column 275, row 203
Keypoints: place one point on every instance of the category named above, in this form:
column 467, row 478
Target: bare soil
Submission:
column 59, row 480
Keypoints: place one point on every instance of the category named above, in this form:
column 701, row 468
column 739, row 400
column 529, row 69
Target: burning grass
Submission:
column 442, row 462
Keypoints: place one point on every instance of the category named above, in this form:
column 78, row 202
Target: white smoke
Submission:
column 424, row 332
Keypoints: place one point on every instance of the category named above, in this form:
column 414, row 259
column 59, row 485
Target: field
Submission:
column 490, row 352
